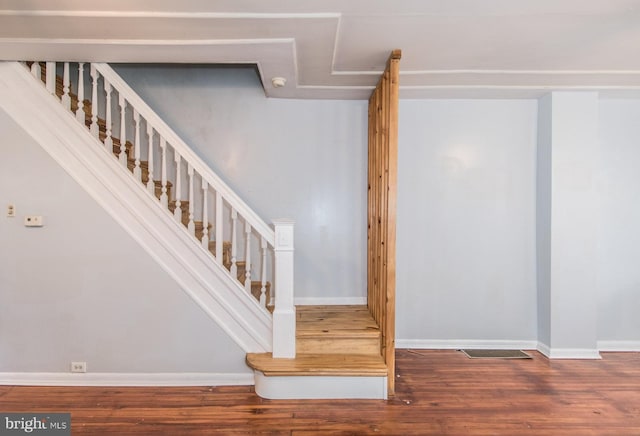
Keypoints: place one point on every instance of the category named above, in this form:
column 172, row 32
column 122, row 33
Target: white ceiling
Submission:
column 337, row 48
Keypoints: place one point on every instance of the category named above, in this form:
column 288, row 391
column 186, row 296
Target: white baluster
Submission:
column 36, row 70
column 191, row 226
column 234, row 250
column 205, row 215
column 177, row 212
column 108, row 140
column 80, row 115
column 65, row 99
column 122, row 156
column 95, row 131
column 164, row 199
column 50, row 77
column 151, row 186
column 247, row 257
column 219, row 229
column 263, row 274
column 137, row 173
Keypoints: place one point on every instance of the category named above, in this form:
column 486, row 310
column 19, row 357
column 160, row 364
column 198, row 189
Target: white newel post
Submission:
column 284, row 314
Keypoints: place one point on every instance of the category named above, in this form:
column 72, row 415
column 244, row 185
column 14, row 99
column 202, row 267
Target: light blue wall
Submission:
column 574, row 207
column 466, row 220
column 619, row 224
column 543, row 219
column 81, row 289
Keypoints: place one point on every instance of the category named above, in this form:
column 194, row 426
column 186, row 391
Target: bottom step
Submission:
column 319, row 376
column 320, row 387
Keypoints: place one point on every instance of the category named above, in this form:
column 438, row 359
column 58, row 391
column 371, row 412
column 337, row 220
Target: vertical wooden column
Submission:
column 381, row 233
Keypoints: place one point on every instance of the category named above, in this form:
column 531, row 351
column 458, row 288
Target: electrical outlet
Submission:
column 11, row 210
column 33, row 221
column 78, row 366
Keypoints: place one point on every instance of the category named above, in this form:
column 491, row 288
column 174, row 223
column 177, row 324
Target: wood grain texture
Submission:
column 335, row 320
column 319, row 364
column 336, row 329
column 338, row 345
column 381, row 221
column 437, row 393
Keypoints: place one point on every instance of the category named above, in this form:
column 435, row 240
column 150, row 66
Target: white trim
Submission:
column 345, row 87
column 457, row 344
column 330, row 301
column 544, row 349
column 507, row 72
column 486, row 72
column 126, row 379
column 172, row 14
column 140, row 214
column 633, row 346
column 569, row 353
column 320, row 387
column 522, row 87
column 153, row 42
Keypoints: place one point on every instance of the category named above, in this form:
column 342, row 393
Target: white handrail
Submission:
column 185, row 151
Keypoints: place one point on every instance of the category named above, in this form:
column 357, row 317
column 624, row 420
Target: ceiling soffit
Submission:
column 342, row 54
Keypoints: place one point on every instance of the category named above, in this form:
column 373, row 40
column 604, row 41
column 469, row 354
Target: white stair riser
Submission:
column 320, row 387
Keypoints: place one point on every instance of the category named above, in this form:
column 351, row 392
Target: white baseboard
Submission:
column 456, row 344
column 568, row 353
column 619, row 345
column 125, row 379
column 544, row 349
column 330, row 301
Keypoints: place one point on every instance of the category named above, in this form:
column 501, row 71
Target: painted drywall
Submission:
column 81, row 289
column 574, row 206
column 298, row 159
column 619, row 224
column 543, row 220
column 473, row 193
column 466, row 248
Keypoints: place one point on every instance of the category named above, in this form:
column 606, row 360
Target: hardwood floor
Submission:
column 437, row 392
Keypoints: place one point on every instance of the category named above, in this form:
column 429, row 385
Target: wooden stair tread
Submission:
column 184, row 209
column 199, row 225
column 212, row 245
column 336, row 330
column 332, row 308
column 338, row 333
column 144, row 164
column 319, row 365
column 335, row 321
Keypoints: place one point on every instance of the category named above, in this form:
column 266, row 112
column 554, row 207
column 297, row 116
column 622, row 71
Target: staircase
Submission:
column 237, row 268
column 177, row 208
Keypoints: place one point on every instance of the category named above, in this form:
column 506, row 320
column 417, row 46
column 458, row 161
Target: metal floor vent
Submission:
column 496, row 354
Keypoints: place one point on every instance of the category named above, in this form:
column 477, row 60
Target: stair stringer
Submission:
column 140, row 214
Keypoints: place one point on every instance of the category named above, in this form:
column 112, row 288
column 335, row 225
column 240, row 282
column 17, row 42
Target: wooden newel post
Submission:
column 284, row 314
